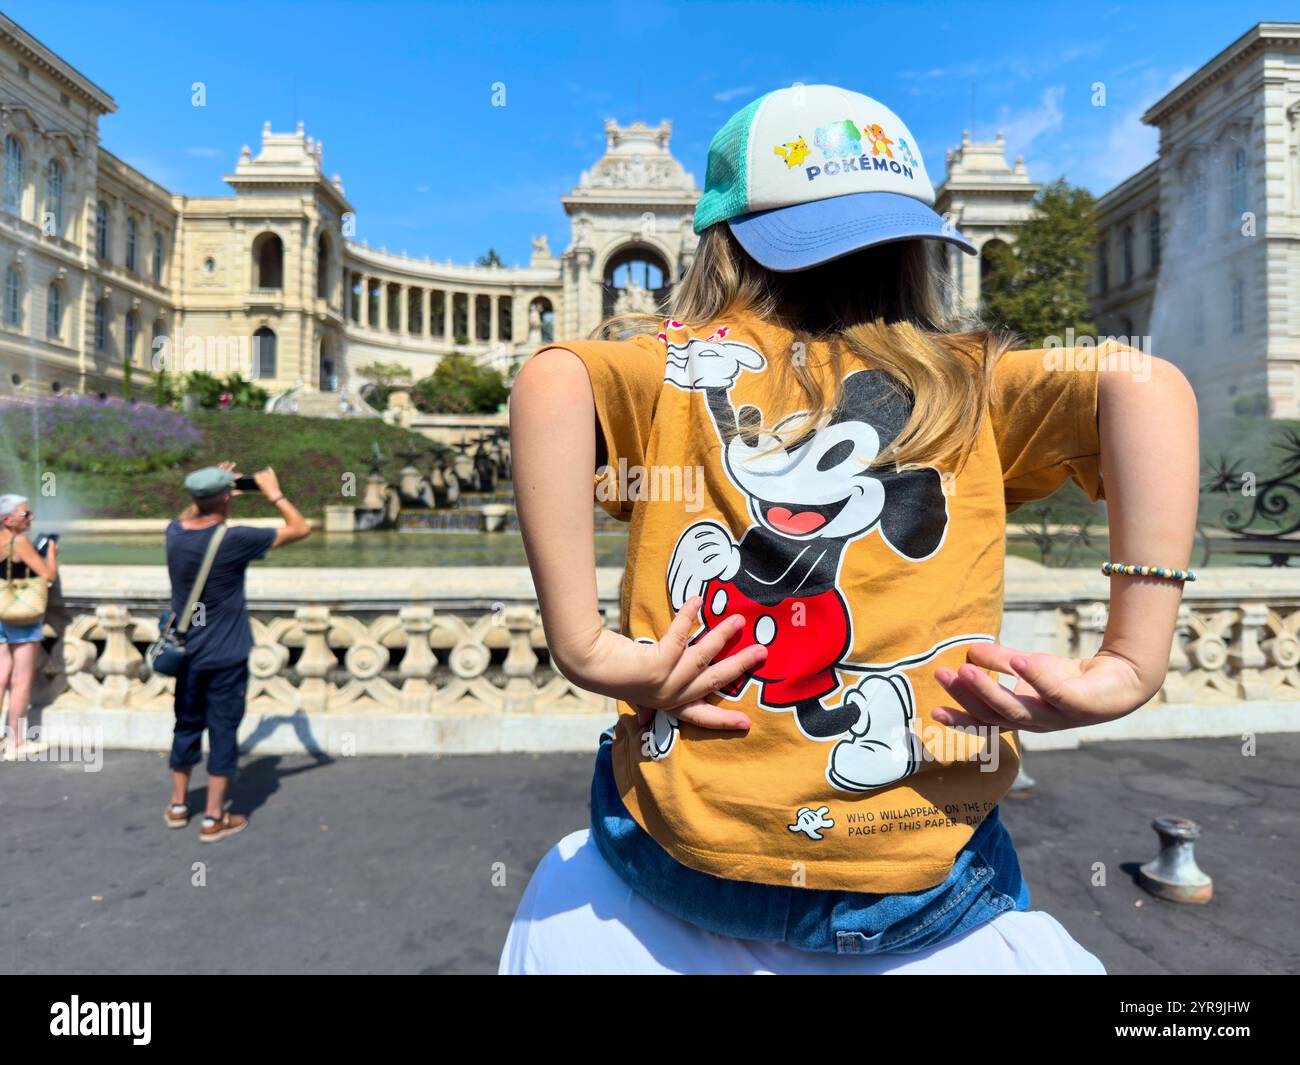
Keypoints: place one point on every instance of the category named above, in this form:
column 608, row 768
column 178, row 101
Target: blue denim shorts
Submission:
column 985, row 882
column 22, row 633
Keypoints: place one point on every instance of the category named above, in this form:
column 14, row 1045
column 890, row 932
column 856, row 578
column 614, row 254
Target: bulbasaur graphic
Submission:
column 839, row 138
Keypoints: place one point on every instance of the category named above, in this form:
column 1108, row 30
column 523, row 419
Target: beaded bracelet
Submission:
column 1129, row 569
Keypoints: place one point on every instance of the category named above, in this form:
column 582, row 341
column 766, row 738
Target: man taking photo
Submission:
column 213, row 681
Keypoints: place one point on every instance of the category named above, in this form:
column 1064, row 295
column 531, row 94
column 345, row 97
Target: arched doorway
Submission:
column 323, row 273
column 992, row 255
column 329, row 378
column 636, row 279
column 268, row 261
column 997, row 268
column 264, row 353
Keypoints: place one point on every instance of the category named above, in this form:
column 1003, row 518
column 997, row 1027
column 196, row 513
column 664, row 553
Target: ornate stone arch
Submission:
column 267, row 259
column 639, row 294
column 541, row 330
column 989, row 248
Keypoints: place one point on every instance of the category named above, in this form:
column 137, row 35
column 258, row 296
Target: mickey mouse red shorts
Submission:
column 805, row 638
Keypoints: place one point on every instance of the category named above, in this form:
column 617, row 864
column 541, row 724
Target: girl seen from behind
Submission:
column 812, row 743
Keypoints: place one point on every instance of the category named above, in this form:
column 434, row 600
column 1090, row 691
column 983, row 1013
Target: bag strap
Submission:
column 209, row 557
column 9, row 562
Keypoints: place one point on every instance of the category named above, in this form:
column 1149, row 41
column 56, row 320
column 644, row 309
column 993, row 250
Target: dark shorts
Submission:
column 211, row 699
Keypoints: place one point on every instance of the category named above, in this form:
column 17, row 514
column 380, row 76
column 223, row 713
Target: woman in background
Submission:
column 19, row 643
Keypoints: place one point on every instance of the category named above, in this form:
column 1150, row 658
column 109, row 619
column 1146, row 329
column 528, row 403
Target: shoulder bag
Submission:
column 166, row 655
column 22, row 600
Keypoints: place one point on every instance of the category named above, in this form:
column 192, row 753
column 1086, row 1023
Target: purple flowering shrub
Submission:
column 91, row 435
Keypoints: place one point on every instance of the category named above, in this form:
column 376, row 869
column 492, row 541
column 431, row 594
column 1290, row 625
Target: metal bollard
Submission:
column 1174, row 874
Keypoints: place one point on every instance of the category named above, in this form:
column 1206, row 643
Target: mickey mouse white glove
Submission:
column 700, row 364
column 704, row 552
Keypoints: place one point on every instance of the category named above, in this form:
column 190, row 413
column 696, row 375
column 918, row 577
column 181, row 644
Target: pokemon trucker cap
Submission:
column 807, row 174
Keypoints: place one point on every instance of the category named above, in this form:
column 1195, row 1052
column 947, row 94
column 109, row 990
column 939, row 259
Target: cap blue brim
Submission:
column 808, row 234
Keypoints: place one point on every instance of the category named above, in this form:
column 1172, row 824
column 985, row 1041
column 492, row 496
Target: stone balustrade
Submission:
column 430, row 660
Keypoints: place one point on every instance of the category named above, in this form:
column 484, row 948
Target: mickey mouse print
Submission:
column 810, row 493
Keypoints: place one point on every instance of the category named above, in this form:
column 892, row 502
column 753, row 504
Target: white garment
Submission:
column 577, row 916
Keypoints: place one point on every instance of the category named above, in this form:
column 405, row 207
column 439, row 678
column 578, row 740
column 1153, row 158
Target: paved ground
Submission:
column 386, row 864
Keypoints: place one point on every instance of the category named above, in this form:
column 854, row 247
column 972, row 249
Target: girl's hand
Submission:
column 1052, row 693
column 673, row 674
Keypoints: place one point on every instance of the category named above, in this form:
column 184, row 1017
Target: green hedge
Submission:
column 311, row 456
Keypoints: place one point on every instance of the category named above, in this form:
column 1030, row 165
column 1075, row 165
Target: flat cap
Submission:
column 209, row 481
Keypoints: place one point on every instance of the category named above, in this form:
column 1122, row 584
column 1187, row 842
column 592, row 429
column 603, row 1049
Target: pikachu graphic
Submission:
column 793, row 152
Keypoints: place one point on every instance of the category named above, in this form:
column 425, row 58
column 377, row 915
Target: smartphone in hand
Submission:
column 246, row 484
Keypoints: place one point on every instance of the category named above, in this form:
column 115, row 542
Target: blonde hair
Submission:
column 882, row 305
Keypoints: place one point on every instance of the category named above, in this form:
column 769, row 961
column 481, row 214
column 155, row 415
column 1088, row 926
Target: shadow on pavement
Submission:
column 259, row 779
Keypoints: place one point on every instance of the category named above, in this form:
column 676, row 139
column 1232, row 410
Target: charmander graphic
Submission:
column 878, row 141
column 809, row 500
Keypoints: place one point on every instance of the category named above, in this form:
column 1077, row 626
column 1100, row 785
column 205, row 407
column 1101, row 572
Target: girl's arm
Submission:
column 1150, row 464
column 553, row 445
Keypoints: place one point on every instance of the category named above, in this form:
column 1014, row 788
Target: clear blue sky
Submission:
column 400, row 94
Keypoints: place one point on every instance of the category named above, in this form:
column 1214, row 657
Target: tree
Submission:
column 459, row 385
column 205, row 388
column 1039, row 288
column 490, row 259
column 208, row 389
column 165, row 393
column 384, row 377
column 244, row 393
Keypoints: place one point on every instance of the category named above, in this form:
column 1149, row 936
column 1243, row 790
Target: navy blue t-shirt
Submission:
column 226, row 635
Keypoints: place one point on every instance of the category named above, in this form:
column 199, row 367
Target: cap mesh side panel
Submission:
column 726, row 185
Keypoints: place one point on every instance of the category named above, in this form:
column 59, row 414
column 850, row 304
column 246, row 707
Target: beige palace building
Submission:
column 107, row 273
column 1200, row 250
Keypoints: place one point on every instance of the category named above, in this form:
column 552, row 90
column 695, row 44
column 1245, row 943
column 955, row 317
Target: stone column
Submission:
column 383, row 304
column 317, row 661
column 418, row 663
column 970, row 277
column 120, row 662
column 585, row 315
column 403, row 309
column 426, row 312
column 449, row 315
column 521, row 660
column 493, row 309
column 1246, row 655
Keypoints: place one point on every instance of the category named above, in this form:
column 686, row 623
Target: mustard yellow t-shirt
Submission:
column 860, row 582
